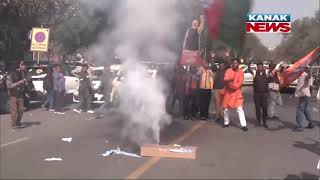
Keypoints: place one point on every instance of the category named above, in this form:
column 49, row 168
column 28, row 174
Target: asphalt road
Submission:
column 279, row 152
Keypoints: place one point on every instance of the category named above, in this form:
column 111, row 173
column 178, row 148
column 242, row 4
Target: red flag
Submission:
column 293, row 72
column 213, row 14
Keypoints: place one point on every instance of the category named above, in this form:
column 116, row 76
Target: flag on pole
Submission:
column 293, row 72
column 226, row 22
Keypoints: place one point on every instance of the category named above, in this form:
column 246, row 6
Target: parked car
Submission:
column 96, row 73
column 248, row 77
column 4, row 103
column 39, row 72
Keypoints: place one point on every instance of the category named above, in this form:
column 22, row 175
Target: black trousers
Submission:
column 190, row 104
column 58, row 100
column 261, row 104
column 180, row 98
column 205, row 98
column 84, row 100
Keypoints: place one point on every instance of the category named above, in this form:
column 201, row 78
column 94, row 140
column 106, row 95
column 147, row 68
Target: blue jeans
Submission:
column 49, row 99
column 302, row 110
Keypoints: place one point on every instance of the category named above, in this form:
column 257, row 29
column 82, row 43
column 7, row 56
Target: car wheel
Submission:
column 75, row 98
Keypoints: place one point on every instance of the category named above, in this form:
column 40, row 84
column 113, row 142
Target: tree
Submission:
column 303, row 38
column 18, row 17
column 253, row 49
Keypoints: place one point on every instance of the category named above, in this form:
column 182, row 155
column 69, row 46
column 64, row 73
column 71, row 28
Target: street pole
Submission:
column 38, row 60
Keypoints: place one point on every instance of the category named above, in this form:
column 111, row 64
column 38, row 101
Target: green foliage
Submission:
column 254, row 50
column 304, row 36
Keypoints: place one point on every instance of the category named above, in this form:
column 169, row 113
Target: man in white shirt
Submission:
column 303, row 93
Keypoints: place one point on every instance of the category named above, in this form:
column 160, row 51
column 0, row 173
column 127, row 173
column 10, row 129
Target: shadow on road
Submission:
column 28, row 124
column 304, row 175
column 314, row 147
column 284, row 125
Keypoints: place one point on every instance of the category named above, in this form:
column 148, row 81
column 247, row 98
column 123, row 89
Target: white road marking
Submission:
column 16, row 141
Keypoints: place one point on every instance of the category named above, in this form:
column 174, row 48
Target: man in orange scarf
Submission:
column 232, row 95
column 206, row 85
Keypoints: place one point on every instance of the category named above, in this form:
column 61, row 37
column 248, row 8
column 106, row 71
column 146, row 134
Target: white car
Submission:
column 94, row 73
column 39, row 72
column 248, row 77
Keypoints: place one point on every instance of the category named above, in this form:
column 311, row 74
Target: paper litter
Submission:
column 118, row 152
column 53, row 159
column 69, row 139
column 181, row 150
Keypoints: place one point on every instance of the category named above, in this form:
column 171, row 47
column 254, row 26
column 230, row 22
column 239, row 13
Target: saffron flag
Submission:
column 293, row 72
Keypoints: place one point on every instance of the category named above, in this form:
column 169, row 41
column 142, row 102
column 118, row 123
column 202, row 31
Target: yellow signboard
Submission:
column 40, row 39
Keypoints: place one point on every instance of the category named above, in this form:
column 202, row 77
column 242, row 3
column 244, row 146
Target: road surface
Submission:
column 279, row 152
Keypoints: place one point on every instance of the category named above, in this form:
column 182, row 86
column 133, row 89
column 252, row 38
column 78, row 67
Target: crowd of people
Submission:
column 192, row 86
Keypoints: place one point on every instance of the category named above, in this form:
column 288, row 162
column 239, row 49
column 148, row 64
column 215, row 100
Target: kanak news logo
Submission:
column 268, row 23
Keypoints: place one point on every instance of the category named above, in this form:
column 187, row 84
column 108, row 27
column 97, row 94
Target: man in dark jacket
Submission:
column 218, row 74
column 260, row 93
column 84, row 91
column 178, row 89
column 16, row 88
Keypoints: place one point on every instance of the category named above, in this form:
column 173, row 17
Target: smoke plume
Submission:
column 145, row 30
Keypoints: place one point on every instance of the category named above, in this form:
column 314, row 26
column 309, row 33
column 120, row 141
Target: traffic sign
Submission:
column 40, row 39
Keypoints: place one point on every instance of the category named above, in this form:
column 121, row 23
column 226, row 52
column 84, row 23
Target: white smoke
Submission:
column 144, row 32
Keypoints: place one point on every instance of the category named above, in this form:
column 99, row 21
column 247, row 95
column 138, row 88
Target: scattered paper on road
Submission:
column 318, row 167
column 118, row 152
column 53, row 159
column 315, row 109
column 69, row 139
column 181, row 150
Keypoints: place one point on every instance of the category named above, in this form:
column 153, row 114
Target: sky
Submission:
column 297, row 8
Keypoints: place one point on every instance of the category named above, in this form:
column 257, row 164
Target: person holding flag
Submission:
column 275, row 98
column 303, row 93
column 293, row 72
